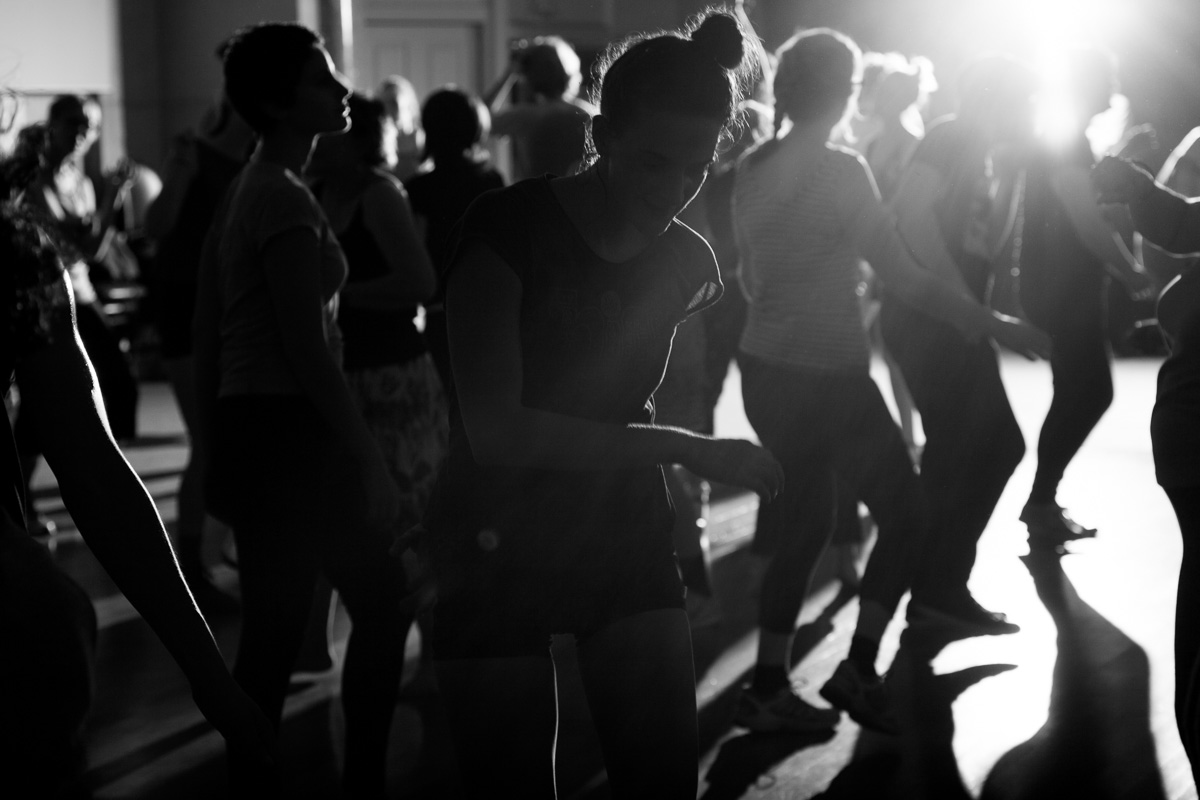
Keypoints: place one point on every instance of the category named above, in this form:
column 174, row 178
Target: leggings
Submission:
column 1075, row 317
column 826, row 427
column 278, row 478
column 1186, row 501
column 972, row 442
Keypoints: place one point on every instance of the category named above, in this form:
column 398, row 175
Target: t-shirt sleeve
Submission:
column 696, row 267
column 286, row 208
column 499, row 220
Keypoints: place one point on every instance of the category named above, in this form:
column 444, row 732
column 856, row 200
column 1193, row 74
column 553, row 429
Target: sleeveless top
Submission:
column 373, row 337
column 800, row 273
column 595, row 337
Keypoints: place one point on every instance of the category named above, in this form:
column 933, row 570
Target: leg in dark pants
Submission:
column 1186, row 501
column 280, row 487
column 1082, row 370
column 972, row 443
column 826, row 428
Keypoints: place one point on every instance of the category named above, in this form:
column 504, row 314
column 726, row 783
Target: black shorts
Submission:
column 484, row 613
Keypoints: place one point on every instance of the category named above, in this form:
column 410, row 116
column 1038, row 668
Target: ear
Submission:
column 602, row 135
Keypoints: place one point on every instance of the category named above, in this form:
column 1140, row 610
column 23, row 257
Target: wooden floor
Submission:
column 1078, row 704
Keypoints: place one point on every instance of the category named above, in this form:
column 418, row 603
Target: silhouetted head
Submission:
column 818, row 71
column 278, row 73
column 72, row 125
column 456, row 124
column 550, row 67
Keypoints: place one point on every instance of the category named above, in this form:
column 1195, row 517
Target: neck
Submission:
column 285, row 149
column 808, row 134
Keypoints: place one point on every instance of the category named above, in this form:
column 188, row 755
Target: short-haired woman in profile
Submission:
column 551, row 515
column 294, row 469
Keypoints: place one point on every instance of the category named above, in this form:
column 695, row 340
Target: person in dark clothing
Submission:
column 551, row 514
column 202, row 168
column 456, row 126
column 1067, row 255
column 1171, row 222
column 294, row 468
column 955, row 215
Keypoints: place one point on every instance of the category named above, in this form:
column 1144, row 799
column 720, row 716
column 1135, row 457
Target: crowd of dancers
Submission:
column 451, row 400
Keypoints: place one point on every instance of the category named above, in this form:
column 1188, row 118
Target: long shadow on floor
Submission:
column 1095, row 744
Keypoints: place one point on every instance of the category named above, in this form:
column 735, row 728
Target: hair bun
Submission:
column 720, row 36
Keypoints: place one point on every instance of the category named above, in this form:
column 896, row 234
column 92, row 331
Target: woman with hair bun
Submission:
column 551, row 514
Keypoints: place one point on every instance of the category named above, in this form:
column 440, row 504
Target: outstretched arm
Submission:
column 873, row 231
column 118, row 520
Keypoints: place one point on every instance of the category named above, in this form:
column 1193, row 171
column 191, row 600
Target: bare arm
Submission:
column 913, row 205
column 876, row 239
column 1166, row 218
column 410, row 279
column 118, row 520
column 482, row 302
column 1073, row 189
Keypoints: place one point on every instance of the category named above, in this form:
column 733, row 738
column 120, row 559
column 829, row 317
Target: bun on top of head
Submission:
column 720, row 36
column 706, row 68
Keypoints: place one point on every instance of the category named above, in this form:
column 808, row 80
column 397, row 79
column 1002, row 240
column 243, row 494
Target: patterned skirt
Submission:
column 406, row 411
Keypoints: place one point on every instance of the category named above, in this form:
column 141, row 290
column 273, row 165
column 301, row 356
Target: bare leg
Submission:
column 503, row 715
column 641, row 687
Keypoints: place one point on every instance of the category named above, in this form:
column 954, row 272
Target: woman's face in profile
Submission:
column 320, row 98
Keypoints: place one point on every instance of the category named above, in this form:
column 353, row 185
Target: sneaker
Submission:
column 784, row 712
column 1050, row 522
column 966, row 618
column 864, row 697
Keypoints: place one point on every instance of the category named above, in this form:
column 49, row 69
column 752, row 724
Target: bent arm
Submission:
column 873, row 234
column 483, row 301
column 410, row 278
column 291, row 266
column 916, row 222
column 1073, row 189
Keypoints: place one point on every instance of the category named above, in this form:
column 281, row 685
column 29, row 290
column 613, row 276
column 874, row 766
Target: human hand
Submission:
column 1116, row 180
column 409, row 548
column 1020, row 336
column 737, row 462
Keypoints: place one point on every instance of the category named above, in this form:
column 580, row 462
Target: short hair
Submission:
column 263, row 64
column 368, row 119
column 551, row 66
column 456, row 122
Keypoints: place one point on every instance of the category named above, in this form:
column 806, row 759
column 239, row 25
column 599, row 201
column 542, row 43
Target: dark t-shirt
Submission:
column 959, row 153
column 177, row 260
column 595, row 337
column 442, row 195
column 1056, row 266
column 1175, row 424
